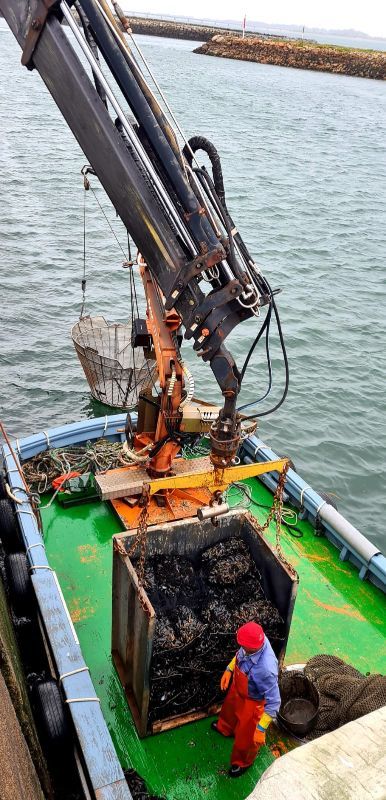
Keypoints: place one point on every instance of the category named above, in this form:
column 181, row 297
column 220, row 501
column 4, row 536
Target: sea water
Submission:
column 304, row 161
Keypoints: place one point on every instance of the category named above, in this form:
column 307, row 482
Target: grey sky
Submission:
column 369, row 16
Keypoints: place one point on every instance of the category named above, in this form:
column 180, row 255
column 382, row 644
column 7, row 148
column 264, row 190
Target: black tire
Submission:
column 31, row 647
column 19, row 583
column 9, row 528
column 3, row 491
column 51, row 719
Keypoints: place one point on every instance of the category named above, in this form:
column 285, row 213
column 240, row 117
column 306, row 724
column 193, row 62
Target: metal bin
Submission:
column 133, row 616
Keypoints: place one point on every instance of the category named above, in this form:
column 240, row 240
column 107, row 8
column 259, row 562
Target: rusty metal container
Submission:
column 134, row 618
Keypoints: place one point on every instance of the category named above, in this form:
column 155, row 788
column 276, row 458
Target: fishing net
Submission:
column 345, row 693
column 115, row 372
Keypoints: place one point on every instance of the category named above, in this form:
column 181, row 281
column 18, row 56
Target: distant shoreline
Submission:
column 299, row 55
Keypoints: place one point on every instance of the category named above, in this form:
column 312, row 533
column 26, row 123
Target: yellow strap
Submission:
column 231, row 664
column 264, row 721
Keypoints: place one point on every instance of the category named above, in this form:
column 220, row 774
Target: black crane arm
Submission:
column 150, row 182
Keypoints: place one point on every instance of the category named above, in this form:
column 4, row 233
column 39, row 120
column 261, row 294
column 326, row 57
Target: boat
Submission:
column 179, row 477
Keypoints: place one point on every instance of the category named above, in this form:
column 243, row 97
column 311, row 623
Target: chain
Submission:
column 276, row 512
column 140, row 540
column 278, row 503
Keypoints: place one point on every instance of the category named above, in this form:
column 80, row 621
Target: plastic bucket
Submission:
column 299, row 703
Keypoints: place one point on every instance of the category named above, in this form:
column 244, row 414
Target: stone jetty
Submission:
column 173, row 29
column 298, row 54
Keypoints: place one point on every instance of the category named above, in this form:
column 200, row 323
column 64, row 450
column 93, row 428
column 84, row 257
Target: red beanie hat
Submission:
column 251, row 636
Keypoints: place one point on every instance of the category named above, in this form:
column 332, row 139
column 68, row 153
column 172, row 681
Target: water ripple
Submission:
column 305, row 169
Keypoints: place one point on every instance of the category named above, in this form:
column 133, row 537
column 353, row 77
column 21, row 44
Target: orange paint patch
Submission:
column 346, row 610
column 88, row 553
column 78, row 612
column 327, row 559
column 316, row 558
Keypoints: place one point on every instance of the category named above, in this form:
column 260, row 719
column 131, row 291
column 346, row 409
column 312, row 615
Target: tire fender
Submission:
column 9, row 527
column 19, row 583
column 51, row 718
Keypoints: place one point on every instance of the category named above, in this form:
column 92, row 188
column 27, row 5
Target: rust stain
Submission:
column 316, row 558
column 78, row 612
column 295, row 561
column 327, row 559
column 346, row 610
column 278, row 748
column 88, row 553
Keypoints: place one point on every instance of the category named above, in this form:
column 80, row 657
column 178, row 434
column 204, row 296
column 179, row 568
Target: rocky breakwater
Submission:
column 172, row 29
column 300, row 55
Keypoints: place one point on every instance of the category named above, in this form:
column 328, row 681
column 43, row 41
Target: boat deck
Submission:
column 334, row 612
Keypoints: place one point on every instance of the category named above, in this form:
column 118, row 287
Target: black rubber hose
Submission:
column 228, row 223
column 202, row 173
column 258, row 414
column 201, row 143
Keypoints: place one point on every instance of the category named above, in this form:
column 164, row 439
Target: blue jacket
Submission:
column 262, row 671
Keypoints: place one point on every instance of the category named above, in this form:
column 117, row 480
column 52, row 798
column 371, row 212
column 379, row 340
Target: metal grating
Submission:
column 115, row 373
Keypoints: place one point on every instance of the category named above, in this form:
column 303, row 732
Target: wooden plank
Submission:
column 182, row 719
column 128, row 481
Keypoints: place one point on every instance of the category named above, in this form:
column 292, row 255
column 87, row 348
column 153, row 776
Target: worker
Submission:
column 253, row 699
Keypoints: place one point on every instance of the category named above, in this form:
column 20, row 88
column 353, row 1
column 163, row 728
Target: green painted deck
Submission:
column 334, row 612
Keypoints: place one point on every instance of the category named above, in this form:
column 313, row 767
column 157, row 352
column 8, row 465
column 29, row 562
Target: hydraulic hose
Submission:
column 201, row 143
column 216, row 184
column 92, row 45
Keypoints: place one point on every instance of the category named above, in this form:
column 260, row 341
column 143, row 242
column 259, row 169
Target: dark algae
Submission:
column 199, row 604
column 138, row 787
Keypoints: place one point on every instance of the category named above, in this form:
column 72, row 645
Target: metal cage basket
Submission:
column 115, row 373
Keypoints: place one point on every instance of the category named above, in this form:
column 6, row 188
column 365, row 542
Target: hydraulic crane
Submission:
column 196, row 269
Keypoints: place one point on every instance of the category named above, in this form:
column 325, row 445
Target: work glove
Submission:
column 261, row 728
column 225, row 680
column 259, row 737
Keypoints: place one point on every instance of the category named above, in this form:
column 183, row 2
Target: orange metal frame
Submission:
column 178, row 504
column 161, row 325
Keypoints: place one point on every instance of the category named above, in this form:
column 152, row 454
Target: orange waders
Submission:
column 239, row 716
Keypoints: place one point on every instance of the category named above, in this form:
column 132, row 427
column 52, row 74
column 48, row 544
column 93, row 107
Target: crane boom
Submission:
column 171, row 210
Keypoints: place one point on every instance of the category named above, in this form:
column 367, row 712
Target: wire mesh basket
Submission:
column 115, row 373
